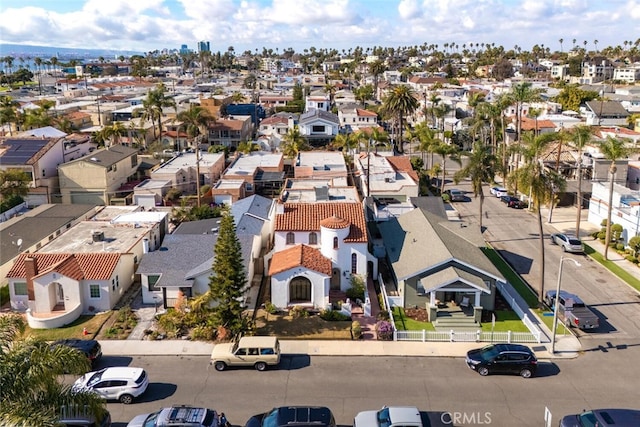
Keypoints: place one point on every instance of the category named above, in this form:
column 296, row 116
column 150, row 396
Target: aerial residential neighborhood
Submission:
column 413, row 201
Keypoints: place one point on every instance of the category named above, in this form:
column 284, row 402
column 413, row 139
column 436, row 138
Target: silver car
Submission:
column 568, row 243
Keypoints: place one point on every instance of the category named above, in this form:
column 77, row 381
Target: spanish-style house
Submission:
column 317, row 248
column 124, row 233
column 436, row 261
column 56, row 288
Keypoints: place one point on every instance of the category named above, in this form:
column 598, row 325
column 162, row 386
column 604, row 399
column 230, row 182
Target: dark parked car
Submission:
column 512, row 202
column 503, row 359
column 91, row 348
column 603, row 418
column 302, row 416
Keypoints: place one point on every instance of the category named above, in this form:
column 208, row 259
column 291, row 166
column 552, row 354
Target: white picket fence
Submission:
column 466, row 336
column 534, row 335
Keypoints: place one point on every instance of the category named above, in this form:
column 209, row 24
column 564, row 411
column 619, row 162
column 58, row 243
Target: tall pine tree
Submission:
column 228, row 280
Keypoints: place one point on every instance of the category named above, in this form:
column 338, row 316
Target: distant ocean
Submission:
column 24, row 54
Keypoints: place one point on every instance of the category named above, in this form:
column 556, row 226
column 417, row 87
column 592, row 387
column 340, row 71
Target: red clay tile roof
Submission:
column 334, row 223
column 530, row 124
column 88, row 266
column 297, row 256
column 307, row 217
column 403, row 164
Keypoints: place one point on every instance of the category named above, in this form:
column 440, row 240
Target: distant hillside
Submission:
column 17, row 51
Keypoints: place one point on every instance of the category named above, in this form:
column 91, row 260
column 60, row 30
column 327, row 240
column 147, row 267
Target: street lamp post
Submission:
column 555, row 302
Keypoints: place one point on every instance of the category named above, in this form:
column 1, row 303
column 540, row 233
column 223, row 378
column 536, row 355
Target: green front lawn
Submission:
column 613, row 267
column 93, row 323
column 548, row 320
column 404, row 323
column 512, row 277
column 506, row 320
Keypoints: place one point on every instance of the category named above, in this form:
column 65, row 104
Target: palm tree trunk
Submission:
column 541, row 234
column 579, row 214
column 481, row 206
column 607, row 238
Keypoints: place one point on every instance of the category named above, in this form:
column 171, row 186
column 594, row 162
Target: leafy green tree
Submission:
column 8, row 112
column 571, row 97
column 228, row 280
column 363, row 94
column 480, row 168
column 30, row 371
column 247, row 147
column 13, row 182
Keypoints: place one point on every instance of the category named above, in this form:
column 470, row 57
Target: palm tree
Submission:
column 521, row 93
column 113, row 133
column 613, row 149
column 541, row 183
column 446, row 150
column 30, row 369
column 330, row 90
column 196, row 121
column 247, row 147
column 401, row 102
column 480, row 168
column 293, row 142
column 581, row 136
column 154, row 104
column 379, row 137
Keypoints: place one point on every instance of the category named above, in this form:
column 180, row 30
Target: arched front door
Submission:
column 335, row 279
column 299, row 290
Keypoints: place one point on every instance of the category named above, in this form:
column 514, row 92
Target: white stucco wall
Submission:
column 319, row 287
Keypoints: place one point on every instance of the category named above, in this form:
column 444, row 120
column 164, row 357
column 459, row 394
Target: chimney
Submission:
column 31, row 270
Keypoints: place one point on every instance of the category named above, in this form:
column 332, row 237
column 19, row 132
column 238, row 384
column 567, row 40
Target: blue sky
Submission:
column 145, row 25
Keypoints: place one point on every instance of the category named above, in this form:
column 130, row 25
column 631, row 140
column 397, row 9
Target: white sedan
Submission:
column 499, row 191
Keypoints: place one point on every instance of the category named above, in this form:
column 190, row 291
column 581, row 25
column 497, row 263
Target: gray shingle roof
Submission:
column 107, row 157
column 418, row 241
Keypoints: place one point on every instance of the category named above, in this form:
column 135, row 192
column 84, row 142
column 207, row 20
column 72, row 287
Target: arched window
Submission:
column 313, row 238
column 291, row 238
column 354, row 263
column 335, row 243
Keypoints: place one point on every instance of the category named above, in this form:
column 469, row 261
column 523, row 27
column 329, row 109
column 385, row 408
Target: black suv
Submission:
column 302, row 416
column 91, row 348
column 512, row 202
column 503, row 359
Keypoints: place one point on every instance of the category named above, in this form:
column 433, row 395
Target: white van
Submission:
column 258, row 352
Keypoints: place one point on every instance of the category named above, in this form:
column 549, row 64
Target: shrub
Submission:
column 384, row 330
column 620, row 246
column 602, row 235
column 332, row 315
column 383, row 315
column 632, row 259
column 203, row 333
column 111, row 332
column 356, row 330
column 298, row 311
column 446, row 197
column 270, row 307
column 356, row 291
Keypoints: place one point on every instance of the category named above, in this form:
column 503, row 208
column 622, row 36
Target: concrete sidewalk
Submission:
column 565, row 348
